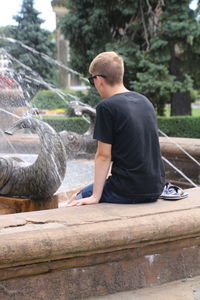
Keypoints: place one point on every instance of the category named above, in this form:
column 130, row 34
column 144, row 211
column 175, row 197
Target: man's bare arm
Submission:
column 102, row 166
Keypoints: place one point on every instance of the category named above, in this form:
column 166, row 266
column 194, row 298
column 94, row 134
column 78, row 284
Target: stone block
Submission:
column 9, row 205
column 80, row 252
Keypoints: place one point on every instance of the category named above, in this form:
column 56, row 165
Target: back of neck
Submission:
column 116, row 89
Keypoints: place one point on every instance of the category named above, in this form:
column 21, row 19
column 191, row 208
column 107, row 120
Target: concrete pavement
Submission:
column 185, row 289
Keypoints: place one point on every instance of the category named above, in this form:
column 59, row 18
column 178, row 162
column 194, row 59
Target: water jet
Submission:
column 68, row 253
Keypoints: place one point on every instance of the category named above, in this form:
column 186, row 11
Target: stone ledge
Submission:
column 180, row 160
column 169, row 147
column 100, row 249
column 82, row 231
column 11, row 205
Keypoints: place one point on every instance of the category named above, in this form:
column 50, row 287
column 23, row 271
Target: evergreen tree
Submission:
column 181, row 31
column 30, row 33
column 155, row 37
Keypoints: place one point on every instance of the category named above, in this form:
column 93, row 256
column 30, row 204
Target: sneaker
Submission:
column 173, row 192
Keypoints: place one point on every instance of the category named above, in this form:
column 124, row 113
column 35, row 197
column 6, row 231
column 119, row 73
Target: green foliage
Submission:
column 159, row 41
column 195, row 95
column 47, row 99
column 195, row 110
column 90, row 25
column 29, row 32
column 173, row 126
column 90, row 97
column 157, row 84
column 180, row 126
column 75, row 124
column 4, row 31
column 181, row 29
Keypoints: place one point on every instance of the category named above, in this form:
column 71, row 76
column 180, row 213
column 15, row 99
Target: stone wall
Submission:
column 78, row 252
column 171, row 149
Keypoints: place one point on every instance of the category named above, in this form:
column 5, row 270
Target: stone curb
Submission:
column 52, row 235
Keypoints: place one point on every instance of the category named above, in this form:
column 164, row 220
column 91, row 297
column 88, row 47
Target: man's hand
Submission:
column 102, row 166
column 84, row 201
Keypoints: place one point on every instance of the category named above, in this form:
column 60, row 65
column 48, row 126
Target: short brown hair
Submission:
column 109, row 64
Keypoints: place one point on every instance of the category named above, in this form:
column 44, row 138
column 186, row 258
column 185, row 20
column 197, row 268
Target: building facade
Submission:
column 66, row 79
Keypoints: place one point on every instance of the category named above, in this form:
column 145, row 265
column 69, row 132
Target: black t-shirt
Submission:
column 127, row 121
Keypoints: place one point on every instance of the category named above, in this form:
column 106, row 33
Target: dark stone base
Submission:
column 104, row 274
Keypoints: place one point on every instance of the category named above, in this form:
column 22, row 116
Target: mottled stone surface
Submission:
column 182, row 153
column 168, row 148
column 80, row 252
column 11, row 205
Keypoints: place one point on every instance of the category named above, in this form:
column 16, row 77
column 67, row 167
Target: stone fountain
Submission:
column 26, row 186
column 10, row 93
column 88, row 251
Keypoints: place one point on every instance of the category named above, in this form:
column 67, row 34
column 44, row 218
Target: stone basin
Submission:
column 179, row 159
column 80, row 252
column 168, row 149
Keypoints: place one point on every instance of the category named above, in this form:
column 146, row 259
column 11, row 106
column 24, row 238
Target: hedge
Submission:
column 174, row 126
column 76, row 124
column 180, row 126
column 47, row 99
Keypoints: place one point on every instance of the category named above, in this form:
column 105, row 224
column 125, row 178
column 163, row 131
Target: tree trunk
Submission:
column 180, row 104
column 180, row 101
column 161, row 107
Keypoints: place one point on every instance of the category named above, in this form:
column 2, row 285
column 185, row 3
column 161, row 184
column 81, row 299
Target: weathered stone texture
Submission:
column 11, row 205
column 173, row 149
column 78, row 252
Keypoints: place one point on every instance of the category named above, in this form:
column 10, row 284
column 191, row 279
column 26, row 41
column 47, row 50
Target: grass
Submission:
column 196, row 112
column 47, row 117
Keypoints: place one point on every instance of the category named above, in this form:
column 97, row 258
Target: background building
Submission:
column 66, row 79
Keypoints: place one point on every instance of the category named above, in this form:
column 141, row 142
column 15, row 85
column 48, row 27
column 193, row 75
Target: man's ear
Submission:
column 101, row 81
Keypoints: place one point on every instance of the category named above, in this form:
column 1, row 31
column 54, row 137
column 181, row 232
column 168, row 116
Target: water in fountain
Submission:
column 179, row 171
column 180, row 147
column 24, row 143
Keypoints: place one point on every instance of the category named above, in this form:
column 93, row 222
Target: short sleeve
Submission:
column 103, row 130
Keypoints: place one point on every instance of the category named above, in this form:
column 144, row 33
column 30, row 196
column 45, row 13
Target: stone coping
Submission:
column 168, row 146
column 77, row 232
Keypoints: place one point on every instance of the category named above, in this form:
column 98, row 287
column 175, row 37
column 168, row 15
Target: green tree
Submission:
column 4, row 31
column 29, row 32
column 90, row 25
column 180, row 28
column 157, row 39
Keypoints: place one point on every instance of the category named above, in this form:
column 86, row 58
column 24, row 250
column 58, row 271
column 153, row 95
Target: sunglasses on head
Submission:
column 91, row 79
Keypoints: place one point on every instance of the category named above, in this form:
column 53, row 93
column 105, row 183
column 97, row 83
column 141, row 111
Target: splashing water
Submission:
column 179, row 171
column 44, row 56
column 27, row 77
column 180, row 147
column 9, row 113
